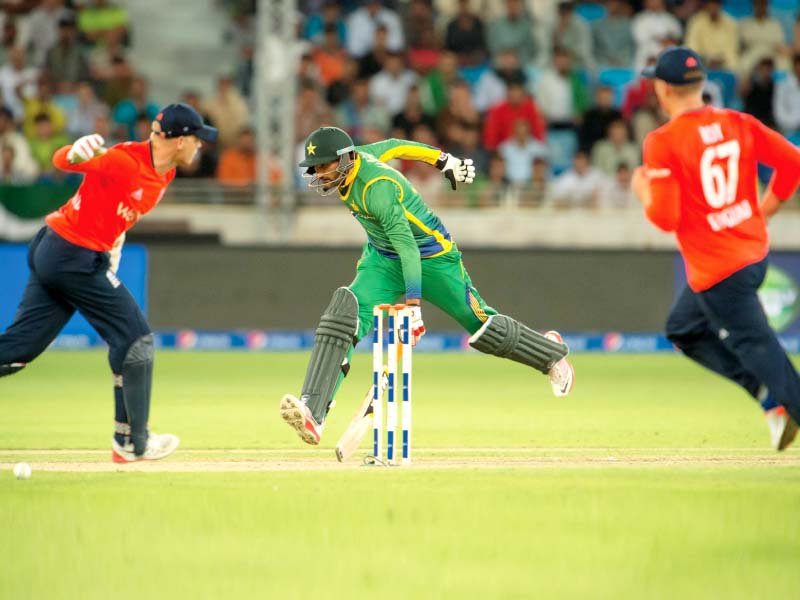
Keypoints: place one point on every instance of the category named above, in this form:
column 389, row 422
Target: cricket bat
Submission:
column 362, row 422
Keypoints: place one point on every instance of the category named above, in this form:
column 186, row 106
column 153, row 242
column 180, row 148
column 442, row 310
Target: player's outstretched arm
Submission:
column 457, row 170
column 88, row 154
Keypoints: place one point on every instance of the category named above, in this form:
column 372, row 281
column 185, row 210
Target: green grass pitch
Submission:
column 653, row 480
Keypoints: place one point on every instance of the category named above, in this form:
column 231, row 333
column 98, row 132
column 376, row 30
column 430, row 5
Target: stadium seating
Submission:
column 726, row 81
column 561, row 146
column 591, row 11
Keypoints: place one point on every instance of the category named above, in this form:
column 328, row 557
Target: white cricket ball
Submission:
column 22, row 471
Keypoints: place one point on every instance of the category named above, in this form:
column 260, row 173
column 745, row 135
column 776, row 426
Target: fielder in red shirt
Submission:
column 699, row 181
column 73, row 262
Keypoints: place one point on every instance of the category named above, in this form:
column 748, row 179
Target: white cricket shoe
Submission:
column 298, row 416
column 562, row 375
column 158, row 446
column 782, row 427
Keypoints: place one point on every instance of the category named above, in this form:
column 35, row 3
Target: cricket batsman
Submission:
column 73, row 262
column 409, row 254
column 699, row 181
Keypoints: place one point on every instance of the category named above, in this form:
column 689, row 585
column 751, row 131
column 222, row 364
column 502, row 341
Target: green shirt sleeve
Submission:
column 403, row 149
column 383, row 203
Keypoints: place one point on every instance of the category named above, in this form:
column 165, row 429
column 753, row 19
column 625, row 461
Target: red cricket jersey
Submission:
column 702, row 166
column 119, row 187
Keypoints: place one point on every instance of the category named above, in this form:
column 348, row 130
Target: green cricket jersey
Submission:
column 398, row 223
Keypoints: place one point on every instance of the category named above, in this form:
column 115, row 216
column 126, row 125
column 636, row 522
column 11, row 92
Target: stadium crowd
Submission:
column 544, row 95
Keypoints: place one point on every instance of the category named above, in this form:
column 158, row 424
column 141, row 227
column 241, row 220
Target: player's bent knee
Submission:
column 11, row 368
column 141, row 351
column 508, row 338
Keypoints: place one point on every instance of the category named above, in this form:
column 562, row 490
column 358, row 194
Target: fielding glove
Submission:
column 86, row 148
column 457, row 170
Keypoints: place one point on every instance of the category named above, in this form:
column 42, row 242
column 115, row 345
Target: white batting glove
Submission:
column 86, row 148
column 416, row 324
column 457, row 170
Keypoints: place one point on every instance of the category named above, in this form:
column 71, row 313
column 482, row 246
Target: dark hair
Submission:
column 6, row 112
column 42, row 117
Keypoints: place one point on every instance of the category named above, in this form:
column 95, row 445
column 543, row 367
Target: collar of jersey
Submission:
column 348, row 182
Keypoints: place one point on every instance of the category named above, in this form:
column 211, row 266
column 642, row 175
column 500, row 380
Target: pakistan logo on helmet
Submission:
column 780, row 297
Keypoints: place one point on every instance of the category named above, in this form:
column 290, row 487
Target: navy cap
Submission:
column 181, row 119
column 677, row 66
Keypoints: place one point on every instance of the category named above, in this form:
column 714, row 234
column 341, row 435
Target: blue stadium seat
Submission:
column 561, row 147
column 787, row 5
column 726, row 80
column 618, row 79
column 795, row 138
column 786, row 16
column 591, row 11
column 779, row 76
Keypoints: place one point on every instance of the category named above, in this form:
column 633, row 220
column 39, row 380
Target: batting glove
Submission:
column 457, row 170
column 85, row 148
column 416, row 324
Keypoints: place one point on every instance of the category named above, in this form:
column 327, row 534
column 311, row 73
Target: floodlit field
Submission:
column 654, row 480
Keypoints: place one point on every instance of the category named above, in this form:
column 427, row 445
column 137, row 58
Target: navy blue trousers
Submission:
column 65, row 278
column 725, row 329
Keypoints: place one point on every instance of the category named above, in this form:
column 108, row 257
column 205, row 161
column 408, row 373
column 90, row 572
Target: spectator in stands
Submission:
column 650, row 28
column 762, row 37
column 412, row 115
column 66, row 62
column 237, row 164
column 614, row 149
column 45, row 142
column 714, row 36
column 17, row 80
column 390, row 87
column 8, row 38
column 796, row 36
column 104, row 126
column 424, row 55
column 513, row 31
column 128, row 110
column 331, row 15
column 459, row 110
column 142, row 126
column 23, row 161
column 339, row 91
column 308, row 69
column 597, row 119
column 490, row 88
column 637, row 93
column 363, row 23
column 310, row 110
column 646, row 118
column 437, row 83
column 579, row 186
column 417, row 23
column 519, row 152
column 330, row 57
column 613, row 38
column 372, row 62
column 495, row 191
column 561, row 93
column 616, row 192
column 11, row 173
column 466, row 35
column 229, row 111
column 465, row 140
column 100, row 18
column 359, row 112
column 787, row 100
column 39, row 30
column 758, row 92
column 192, row 98
column 42, row 102
column 81, row 115
column 538, row 190
column 573, row 34
column 499, row 123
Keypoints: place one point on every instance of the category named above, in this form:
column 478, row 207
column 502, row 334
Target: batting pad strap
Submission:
column 332, row 341
column 508, row 338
